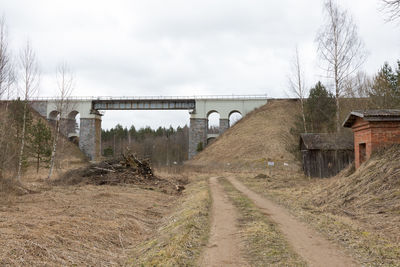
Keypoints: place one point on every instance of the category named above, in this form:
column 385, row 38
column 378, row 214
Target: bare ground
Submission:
column 224, row 247
column 314, row 248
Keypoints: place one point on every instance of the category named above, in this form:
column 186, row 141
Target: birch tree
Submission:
column 297, row 84
column 29, row 86
column 392, row 8
column 340, row 49
column 65, row 85
column 7, row 80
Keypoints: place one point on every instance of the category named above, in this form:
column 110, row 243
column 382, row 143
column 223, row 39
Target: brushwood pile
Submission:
column 128, row 169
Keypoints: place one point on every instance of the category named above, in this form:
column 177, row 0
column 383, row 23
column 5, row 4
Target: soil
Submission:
column 310, row 245
column 224, row 243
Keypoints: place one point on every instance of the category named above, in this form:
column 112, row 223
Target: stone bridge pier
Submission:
column 89, row 125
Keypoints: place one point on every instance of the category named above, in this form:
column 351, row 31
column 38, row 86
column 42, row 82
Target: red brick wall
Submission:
column 375, row 135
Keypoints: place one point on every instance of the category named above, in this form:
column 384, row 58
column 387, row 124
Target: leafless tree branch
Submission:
column 30, row 86
column 340, row 49
column 297, row 84
column 391, row 8
column 65, row 84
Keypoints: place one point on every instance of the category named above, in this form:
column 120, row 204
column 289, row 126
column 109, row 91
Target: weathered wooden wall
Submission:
column 326, row 163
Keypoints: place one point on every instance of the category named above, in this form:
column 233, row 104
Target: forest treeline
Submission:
column 163, row 146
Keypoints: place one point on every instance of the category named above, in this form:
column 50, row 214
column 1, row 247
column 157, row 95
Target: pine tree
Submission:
column 41, row 144
column 385, row 91
column 320, row 109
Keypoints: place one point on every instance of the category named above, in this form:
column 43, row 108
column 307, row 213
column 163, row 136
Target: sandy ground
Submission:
column 310, row 245
column 224, row 244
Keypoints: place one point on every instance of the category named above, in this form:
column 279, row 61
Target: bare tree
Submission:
column 297, row 84
column 6, row 85
column 6, row 68
column 392, row 8
column 358, row 86
column 65, row 85
column 30, row 77
column 340, row 49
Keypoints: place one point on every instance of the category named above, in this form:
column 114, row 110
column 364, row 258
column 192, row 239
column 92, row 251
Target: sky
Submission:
column 184, row 47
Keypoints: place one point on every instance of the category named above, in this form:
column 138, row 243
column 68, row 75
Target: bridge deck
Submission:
column 144, row 104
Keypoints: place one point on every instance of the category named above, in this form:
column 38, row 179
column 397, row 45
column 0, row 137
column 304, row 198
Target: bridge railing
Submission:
column 212, row 97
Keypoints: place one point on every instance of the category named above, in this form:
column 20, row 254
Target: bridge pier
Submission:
column 67, row 126
column 223, row 125
column 90, row 137
column 197, row 134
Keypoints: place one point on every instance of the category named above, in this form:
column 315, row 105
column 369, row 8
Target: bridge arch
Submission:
column 213, row 121
column 72, row 126
column 234, row 117
column 53, row 115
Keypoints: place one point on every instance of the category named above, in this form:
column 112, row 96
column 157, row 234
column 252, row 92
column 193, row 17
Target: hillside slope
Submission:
column 254, row 139
column 372, row 193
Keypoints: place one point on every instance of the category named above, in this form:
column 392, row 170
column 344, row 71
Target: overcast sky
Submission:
column 184, row 47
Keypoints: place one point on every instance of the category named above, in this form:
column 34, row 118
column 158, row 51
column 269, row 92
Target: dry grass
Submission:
column 360, row 211
column 254, row 140
column 265, row 245
column 182, row 236
column 86, row 225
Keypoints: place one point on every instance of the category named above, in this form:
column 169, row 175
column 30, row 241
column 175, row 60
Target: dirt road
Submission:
column 224, row 244
column 309, row 244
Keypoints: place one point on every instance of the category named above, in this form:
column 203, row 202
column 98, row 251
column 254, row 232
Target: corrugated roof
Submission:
column 372, row 115
column 325, row 141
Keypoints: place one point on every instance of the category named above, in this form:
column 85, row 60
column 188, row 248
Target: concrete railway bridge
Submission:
column 199, row 107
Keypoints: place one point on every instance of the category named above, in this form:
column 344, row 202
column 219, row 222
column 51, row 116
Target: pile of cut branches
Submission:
column 128, row 169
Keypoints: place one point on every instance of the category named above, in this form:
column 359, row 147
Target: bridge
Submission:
column 199, row 107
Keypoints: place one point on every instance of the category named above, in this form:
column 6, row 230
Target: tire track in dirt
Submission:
column 309, row 244
column 224, row 244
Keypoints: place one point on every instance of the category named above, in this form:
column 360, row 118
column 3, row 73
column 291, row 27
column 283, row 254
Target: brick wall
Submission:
column 374, row 135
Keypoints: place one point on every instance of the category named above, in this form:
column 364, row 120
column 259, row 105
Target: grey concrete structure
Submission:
column 90, row 137
column 223, row 125
column 197, row 135
column 90, row 118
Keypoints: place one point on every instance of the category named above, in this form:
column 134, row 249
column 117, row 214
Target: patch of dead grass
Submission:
column 182, row 236
column 79, row 226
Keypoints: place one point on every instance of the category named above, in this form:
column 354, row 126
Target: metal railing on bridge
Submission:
column 194, row 97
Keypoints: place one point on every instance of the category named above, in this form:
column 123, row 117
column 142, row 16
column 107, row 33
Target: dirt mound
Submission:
column 371, row 193
column 255, row 139
column 126, row 170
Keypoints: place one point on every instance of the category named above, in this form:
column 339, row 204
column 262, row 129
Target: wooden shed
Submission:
column 325, row 155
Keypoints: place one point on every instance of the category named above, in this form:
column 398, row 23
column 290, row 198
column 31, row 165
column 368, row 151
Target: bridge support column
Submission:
column 223, row 125
column 90, row 137
column 197, row 135
column 67, row 126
